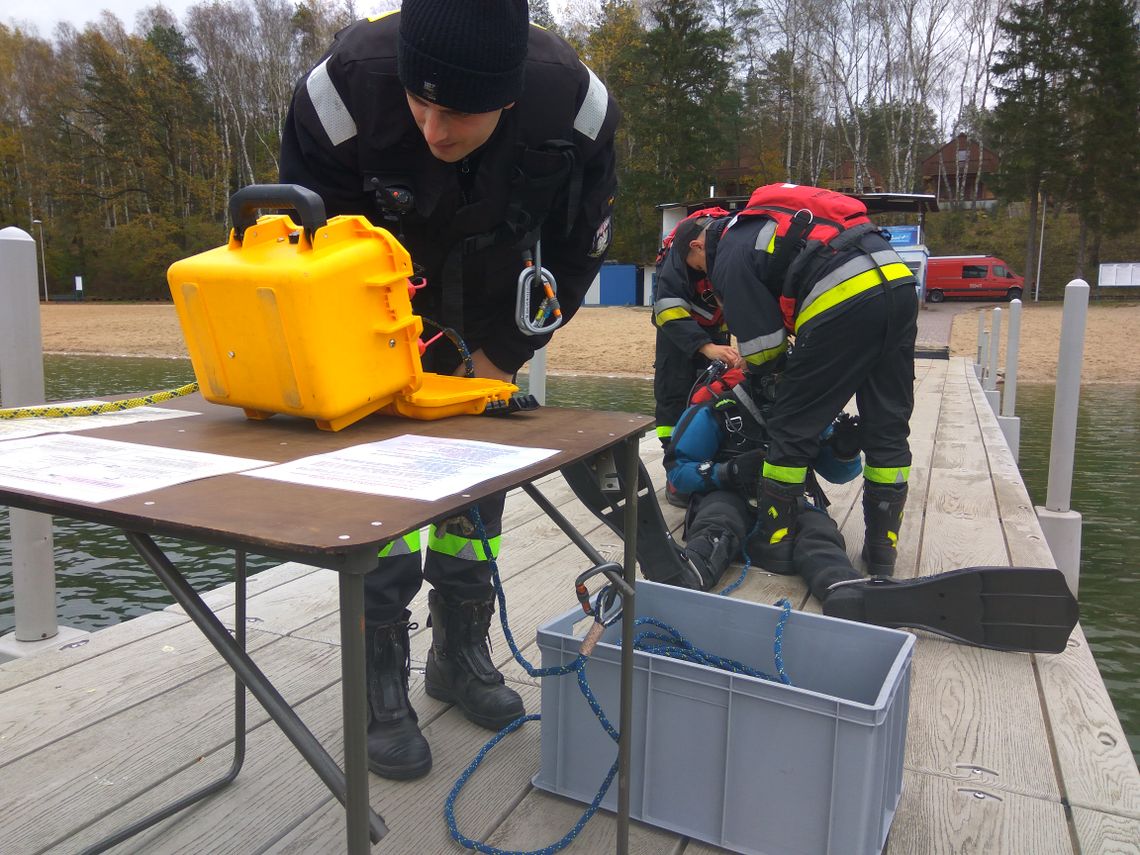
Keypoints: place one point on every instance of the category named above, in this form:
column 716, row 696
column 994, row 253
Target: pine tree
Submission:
column 1031, row 121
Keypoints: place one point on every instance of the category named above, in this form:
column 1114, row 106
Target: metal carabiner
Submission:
column 549, row 308
column 607, row 606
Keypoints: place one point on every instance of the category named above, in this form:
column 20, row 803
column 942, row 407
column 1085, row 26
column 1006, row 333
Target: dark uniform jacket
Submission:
column 350, row 132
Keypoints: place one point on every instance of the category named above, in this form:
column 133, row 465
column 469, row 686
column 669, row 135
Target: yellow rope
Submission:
column 59, row 411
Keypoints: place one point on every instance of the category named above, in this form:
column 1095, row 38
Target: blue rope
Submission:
column 728, row 589
column 671, row 644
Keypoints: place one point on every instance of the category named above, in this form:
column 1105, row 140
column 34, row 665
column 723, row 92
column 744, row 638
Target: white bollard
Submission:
column 980, row 358
column 1009, row 423
column 22, row 383
column 983, row 367
column 990, row 384
column 536, row 376
column 1060, row 524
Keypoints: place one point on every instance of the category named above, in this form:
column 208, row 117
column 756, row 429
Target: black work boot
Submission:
column 711, row 553
column 882, row 515
column 459, row 667
column 770, row 545
column 396, row 748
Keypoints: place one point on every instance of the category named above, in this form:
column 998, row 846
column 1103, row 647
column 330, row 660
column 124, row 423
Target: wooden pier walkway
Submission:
column 1006, row 753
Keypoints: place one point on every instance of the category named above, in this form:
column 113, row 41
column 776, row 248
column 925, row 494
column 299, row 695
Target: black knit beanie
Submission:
column 468, row 55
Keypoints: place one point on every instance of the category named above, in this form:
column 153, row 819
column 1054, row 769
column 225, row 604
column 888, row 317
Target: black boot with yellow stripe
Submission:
column 770, row 543
column 459, row 667
column 882, row 516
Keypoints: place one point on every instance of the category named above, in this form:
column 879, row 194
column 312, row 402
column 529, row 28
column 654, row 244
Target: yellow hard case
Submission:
column 323, row 329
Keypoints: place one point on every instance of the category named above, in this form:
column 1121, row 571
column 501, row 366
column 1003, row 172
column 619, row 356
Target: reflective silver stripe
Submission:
column 335, row 118
column 592, row 113
column 669, row 303
column 854, row 267
column 762, row 343
column 704, row 313
column 765, row 235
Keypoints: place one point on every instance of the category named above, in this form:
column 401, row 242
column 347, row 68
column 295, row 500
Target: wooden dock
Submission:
column 1006, row 753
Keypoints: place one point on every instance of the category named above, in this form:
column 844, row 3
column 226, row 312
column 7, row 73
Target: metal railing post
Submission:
column 1010, row 424
column 1060, row 524
column 22, row 383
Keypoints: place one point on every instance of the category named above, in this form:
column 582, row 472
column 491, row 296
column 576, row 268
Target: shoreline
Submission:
column 618, row 341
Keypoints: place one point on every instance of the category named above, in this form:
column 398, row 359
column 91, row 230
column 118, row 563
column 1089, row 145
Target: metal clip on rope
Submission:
column 549, row 308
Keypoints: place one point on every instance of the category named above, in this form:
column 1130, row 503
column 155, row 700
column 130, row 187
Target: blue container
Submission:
column 619, row 285
column 747, row 764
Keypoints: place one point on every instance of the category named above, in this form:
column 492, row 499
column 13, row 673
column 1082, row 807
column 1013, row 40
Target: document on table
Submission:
column 87, row 469
column 413, row 467
column 20, row 428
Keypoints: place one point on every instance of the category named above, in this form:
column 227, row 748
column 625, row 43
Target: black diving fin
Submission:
column 1027, row 609
column 597, row 482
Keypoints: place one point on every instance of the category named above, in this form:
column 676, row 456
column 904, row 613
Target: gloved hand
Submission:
column 743, row 471
column 845, row 440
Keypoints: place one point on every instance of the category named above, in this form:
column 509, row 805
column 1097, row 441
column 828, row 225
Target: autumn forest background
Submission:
column 126, row 139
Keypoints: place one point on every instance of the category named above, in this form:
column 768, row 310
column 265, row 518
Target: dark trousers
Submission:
column 819, row 552
column 674, row 372
column 866, row 350
column 465, row 575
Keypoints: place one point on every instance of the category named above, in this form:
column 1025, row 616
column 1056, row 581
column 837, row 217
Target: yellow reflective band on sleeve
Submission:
column 664, row 431
column 380, row 15
column 887, row 474
column 405, row 545
column 855, row 285
column 785, row 474
column 778, row 535
column 461, row 547
column 662, row 318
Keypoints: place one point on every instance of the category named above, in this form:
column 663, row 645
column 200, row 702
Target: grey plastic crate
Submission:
column 747, row 764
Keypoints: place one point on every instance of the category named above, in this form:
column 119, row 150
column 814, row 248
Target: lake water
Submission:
column 101, row 581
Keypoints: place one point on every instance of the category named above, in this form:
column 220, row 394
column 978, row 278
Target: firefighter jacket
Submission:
column 820, row 282
column 683, row 310
column 548, row 169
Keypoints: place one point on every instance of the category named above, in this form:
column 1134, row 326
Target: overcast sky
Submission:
column 43, row 15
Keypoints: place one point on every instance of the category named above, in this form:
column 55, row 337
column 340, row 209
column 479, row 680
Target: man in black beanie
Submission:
column 471, row 135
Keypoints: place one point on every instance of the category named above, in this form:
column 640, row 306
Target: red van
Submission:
column 972, row 277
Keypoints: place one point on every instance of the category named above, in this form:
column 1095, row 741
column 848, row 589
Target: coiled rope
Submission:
column 60, row 411
column 664, row 640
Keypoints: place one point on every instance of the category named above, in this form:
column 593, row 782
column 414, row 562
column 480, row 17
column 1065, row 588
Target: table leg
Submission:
column 355, row 699
column 249, row 674
column 174, row 807
column 629, row 614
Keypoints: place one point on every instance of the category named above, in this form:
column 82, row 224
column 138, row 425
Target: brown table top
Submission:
column 329, row 528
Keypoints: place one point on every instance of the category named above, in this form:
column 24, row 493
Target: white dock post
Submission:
column 1009, row 423
column 989, row 383
column 1060, row 524
column 22, row 383
column 982, row 368
column 536, row 376
column 978, row 361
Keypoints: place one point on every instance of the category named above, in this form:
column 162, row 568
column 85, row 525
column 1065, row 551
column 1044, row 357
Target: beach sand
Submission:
column 619, row 340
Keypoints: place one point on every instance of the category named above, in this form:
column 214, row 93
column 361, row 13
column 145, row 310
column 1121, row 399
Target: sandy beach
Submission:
column 618, row 340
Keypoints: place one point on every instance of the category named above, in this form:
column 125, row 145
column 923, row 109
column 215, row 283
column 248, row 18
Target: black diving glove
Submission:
column 845, row 440
column 743, row 471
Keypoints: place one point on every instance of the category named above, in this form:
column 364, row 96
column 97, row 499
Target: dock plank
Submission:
column 88, row 772
column 940, row 815
column 978, row 709
column 998, row 744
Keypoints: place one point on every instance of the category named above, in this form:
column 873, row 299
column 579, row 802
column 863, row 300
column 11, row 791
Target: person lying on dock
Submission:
column 716, row 451
column 716, row 455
